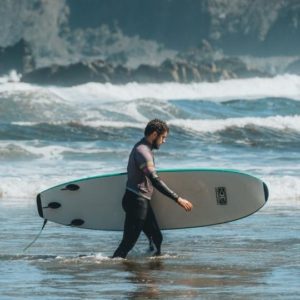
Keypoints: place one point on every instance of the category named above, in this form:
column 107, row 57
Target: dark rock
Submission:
column 205, row 52
column 233, row 67
column 121, row 75
column 152, row 74
column 168, row 71
column 74, row 74
column 125, row 32
column 17, row 57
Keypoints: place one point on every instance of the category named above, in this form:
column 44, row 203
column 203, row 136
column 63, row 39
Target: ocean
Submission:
column 50, row 135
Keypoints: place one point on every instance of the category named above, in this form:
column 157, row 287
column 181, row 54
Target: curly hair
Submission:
column 156, row 125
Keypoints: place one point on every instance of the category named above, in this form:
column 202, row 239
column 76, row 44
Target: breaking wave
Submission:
column 51, row 134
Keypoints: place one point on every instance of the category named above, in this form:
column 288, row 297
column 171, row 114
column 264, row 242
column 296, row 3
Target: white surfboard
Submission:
column 218, row 196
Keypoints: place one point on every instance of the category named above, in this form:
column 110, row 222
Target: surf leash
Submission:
column 37, row 236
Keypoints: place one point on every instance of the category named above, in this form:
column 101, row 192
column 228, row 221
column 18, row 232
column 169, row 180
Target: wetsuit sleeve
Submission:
column 162, row 187
column 146, row 165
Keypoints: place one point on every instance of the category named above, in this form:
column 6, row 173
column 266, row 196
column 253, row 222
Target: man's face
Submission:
column 160, row 139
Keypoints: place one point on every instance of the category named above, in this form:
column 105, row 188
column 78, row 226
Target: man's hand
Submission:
column 187, row 205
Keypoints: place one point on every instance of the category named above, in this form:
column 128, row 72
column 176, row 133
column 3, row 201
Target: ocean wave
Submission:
column 69, row 131
column 40, row 107
column 283, row 86
column 27, row 151
column 137, row 103
column 286, row 86
column 270, row 130
column 16, row 152
column 210, row 125
column 280, row 133
column 280, row 123
column 284, row 190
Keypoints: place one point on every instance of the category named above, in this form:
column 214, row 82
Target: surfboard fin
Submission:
column 53, row 205
column 76, row 222
column 38, row 235
column 71, row 187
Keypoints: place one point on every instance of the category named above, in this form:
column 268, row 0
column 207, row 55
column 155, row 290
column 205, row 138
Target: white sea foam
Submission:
column 285, row 86
column 281, row 86
column 95, row 124
column 26, row 150
column 20, row 182
column 209, row 125
column 274, row 122
column 12, row 76
column 284, row 190
column 113, row 124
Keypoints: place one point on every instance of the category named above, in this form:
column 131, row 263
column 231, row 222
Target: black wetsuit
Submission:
column 142, row 177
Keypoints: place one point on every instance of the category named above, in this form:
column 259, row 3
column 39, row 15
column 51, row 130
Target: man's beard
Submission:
column 155, row 145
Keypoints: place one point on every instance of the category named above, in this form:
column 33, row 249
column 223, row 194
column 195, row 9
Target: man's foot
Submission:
column 151, row 246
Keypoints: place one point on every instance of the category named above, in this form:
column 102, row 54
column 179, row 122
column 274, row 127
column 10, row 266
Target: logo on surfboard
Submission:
column 221, row 195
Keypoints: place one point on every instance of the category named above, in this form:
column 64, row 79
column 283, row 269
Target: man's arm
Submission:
column 145, row 163
column 149, row 170
column 161, row 186
column 164, row 189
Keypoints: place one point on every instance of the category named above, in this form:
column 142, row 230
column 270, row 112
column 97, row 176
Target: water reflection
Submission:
column 142, row 275
column 162, row 278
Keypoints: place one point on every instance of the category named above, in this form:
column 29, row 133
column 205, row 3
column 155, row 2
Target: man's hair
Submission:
column 156, row 125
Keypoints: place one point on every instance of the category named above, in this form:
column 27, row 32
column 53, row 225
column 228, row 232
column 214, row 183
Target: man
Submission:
column 142, row 177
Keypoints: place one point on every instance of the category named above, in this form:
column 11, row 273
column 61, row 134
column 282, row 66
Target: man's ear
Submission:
column 154, row 134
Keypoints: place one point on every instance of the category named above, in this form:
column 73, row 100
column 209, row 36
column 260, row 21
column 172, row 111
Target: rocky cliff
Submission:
column 131, row 36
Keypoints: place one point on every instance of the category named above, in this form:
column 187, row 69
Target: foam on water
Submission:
column 210, row 125
column 286, row 86
column 279, row 86
column 50, row 134
column 275, row 122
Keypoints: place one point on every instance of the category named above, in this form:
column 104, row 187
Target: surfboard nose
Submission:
column 266, row 191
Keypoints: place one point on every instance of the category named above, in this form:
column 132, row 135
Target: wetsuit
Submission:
column 142, row 177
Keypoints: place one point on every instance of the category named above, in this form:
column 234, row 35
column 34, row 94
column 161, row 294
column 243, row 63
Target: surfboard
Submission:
column 218, row 196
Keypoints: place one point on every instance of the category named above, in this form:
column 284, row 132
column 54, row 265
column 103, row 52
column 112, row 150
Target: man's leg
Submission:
column 136, row 212
column 149, row 237
column 132, row 230
column 152, row 229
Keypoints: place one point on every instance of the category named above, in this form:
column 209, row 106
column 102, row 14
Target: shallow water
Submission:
column 254, row 258
column 50, row 135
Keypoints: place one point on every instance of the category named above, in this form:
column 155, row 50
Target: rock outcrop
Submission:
column 17, row 57
column 168, row 71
